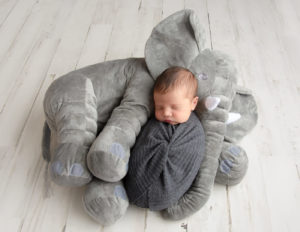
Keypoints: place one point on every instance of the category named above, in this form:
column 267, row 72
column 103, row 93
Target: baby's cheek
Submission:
column 185, row 116
column 179, row 118
column 158, row 116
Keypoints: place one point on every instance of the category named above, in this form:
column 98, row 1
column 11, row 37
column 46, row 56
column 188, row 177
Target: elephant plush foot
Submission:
column 233, row 165
column 108, row 157
column 68, row 167
column 105, row 202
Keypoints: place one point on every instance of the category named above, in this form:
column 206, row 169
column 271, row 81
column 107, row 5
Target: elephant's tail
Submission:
column 46, row 142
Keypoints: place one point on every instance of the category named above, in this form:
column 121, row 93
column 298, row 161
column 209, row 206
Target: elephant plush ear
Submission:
column 175, row 41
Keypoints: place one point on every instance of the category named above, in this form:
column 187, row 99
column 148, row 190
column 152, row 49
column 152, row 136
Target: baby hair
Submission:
column 175, row 77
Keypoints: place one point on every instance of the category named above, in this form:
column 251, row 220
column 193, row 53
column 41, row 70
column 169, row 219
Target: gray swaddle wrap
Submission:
column 164, row 162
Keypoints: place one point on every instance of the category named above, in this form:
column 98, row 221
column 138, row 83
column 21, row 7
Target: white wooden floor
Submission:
column 43, row 39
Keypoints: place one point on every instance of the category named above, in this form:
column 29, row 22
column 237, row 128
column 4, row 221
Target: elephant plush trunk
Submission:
column 73, row 124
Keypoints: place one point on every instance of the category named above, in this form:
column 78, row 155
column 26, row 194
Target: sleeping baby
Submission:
column 170, row 147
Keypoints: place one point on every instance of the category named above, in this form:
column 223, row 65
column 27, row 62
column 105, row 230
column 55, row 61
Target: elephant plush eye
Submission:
column 202, row 76
column 220, row 61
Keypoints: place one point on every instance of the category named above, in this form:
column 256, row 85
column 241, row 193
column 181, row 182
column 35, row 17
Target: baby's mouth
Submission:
column 170, row 122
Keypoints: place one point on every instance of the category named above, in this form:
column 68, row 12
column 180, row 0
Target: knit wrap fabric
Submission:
column 164, row 162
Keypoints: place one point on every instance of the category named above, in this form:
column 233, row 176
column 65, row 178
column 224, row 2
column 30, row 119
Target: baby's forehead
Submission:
column 176, row 89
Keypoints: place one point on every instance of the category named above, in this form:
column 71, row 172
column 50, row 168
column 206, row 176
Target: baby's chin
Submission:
column 171, row 122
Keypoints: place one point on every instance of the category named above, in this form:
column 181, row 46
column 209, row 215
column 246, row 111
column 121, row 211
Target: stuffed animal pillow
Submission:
column 94, row 114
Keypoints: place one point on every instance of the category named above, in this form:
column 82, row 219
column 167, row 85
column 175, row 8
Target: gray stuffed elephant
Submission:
column 94, row 114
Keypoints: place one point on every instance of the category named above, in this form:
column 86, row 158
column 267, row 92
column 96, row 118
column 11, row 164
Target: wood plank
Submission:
column 224, row 33
column 249, row 202
column 155, row 222
column 133, row 221
column 123, row 28
column 151, row 4
column 258, row 46
column 6, row 7
column 25, row 90
column 108, row 9
column 283, row 190
column 73, row 39
column 23, row 46
column 154, row 6
column 95, row 47
column 171, row 6
column 279, row 82
column 6, row 160
column 230, row 29
column 20, row 103
column 212, row 217
column 31, row 76
column 23, row 206
column 286, row 14
column 13, row 24
column 296, row 8
column 215, row 215
column 257, row 69
column 77, row 219
column 147, row 18
column 21, row 178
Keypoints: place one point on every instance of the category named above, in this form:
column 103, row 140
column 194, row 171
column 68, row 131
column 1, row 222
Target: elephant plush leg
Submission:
column 70, row 109
column 105, row 202
column 233, row 164
column 109, row 154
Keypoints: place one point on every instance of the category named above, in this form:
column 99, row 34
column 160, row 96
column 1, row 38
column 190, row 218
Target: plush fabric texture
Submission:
column 243, row 103
column 105, row 202
column 233, row 165
column 164, row 162
column 78, row 105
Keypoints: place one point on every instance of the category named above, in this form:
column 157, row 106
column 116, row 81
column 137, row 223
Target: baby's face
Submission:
column 175, row 106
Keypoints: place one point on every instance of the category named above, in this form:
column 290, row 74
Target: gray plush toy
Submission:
column 94, row 114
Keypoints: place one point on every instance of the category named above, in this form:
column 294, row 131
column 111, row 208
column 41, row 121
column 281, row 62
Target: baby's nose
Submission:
column 167, row 113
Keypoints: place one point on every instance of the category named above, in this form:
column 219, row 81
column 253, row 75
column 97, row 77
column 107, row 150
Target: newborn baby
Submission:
column 168, row 152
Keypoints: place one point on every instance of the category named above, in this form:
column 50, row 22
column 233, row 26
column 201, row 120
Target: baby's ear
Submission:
column 194, row 102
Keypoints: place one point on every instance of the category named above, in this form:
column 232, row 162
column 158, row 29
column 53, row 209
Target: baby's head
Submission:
column 175, row 95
